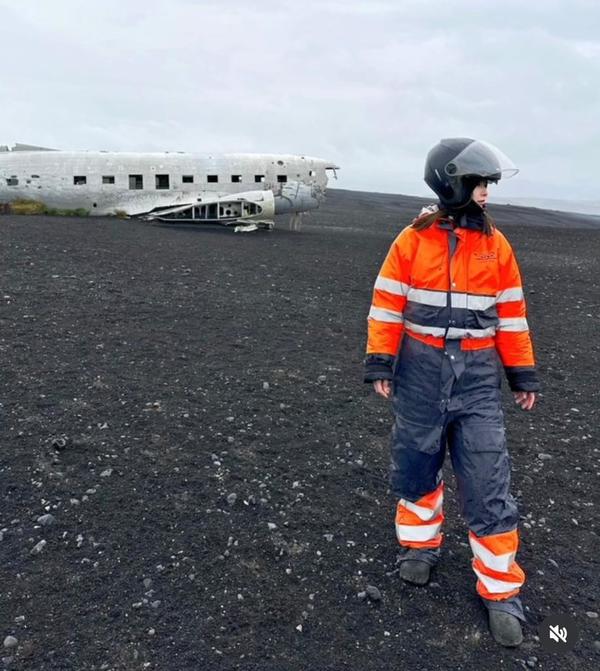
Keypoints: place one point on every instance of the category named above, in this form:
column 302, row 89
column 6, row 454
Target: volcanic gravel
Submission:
column 194, row 476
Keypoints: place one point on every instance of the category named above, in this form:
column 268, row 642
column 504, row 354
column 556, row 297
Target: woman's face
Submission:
column 480, row 193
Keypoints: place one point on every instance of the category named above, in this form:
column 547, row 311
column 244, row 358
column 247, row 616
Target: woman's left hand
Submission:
column 526, row 399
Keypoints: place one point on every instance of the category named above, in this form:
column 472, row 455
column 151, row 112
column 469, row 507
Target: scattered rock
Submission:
column 46, row 520
column 373, row 593
column 10, row 642
column 38, row 547
column 59, row 443
column 232, row 498
column 592, row 614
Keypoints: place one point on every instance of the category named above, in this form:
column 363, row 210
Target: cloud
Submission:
column 371, row 85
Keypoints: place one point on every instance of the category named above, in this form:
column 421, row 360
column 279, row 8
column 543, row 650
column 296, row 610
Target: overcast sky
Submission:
column 371, row 85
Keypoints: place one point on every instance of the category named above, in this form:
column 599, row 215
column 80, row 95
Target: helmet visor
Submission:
column 482, row 159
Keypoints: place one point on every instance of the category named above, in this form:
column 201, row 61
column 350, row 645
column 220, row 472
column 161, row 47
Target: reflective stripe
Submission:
column 495, row 586
column 427, row 297
column 472, row 301
column 513, row 294
column 392, row 286
column 500, row 563
column 513, row 324
column 425, row 330
column 454, row 333
column 421, row 532
column 383, row 315
column 458, row 300
column 425, row 514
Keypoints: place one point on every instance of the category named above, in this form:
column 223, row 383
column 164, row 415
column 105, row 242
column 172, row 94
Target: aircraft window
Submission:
column 236, row 178
column 259, row 178
column 187, row 179
column 79, row 180
column 282, row 178
column 136, row 182
column 312, row 173
column 212, row 178
column 12, row 181
column 162, row 181
column 108, row 179
column 35, row 176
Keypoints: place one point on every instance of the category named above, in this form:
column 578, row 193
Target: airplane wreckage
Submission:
column 245, row 191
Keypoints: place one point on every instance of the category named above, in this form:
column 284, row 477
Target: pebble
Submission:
column 531, row 662
column 551, row 561
column 592, row 614
column 596, row 645
column 46, row 520
column 107, row 473
column 543, row 456
column 362, row 595
column 373, row 593
column 232, row 498
column 266, row 387
column 20, row 619
column 38, row 548
column 10, row 642
column 147, row 583
column 271, row 526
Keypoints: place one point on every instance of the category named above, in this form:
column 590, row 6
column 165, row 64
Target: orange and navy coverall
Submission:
column 448, row 313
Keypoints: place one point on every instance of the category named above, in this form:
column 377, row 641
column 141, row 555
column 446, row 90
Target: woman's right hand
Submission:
column 383, row 388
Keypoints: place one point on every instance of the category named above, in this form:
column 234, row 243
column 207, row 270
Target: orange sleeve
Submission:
column 513, row 339
column 386, row 316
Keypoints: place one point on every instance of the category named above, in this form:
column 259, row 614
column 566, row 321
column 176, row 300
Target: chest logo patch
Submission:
column 485, row 256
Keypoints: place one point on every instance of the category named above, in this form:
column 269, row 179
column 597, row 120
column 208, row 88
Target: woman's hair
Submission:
column 429, row 217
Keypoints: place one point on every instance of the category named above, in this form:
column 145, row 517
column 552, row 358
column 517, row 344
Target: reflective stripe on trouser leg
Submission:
column 499, row 575
column 418, row 523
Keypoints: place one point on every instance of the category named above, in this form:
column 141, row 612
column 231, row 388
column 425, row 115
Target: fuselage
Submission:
column 136, row 183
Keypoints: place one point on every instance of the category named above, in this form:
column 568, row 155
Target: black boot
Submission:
column 415, row 571
column 505, row 628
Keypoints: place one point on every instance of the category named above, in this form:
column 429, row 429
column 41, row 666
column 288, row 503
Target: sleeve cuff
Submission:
column 379, row 367
column 522, row 379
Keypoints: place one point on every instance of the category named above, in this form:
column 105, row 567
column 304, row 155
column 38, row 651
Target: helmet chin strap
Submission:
column 471, row 215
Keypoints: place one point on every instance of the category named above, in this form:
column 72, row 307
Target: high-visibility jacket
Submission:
column 451, row 282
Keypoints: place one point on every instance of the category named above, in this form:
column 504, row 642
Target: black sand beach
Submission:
column 188, row 406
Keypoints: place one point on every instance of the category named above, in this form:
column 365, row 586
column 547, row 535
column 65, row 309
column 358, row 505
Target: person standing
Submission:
column 448, row 314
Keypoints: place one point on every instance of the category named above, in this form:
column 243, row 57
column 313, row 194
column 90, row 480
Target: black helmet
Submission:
column 456, row 165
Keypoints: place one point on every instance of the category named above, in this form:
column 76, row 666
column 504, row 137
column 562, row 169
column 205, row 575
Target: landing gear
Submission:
column 296, row 221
